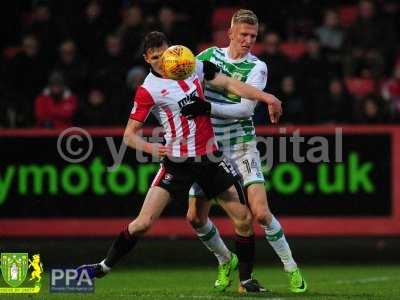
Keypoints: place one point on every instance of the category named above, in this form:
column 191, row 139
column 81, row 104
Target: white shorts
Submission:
column 245, row 158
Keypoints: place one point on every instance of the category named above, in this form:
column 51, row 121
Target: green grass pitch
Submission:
column 325, row 282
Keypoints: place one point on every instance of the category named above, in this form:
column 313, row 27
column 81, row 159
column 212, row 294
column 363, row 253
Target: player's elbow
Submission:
column 130, row 130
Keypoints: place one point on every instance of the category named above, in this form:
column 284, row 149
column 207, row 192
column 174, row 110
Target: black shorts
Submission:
column 213, row 174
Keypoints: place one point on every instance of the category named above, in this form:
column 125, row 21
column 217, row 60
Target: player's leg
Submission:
column 230, row 201
column 207, row 232
column 220, row 180
column 249, row 166
column 273, row 230
column 274, row 234
column 156, row 200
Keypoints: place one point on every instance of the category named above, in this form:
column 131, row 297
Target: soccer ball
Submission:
column 177, row 62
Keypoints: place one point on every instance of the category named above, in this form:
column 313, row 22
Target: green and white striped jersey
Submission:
column 248, row 69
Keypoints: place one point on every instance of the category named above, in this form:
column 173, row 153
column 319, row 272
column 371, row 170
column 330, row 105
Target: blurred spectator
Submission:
column 109, row 72
column 71, row 65
column 177, row 30
column 132, row 31
column 371, row 37
column 369, row 110
column 278, row 65
column 293, row 104
column 46, row 28
column 336, row 105
column 25, row 76
column 110, row 67
column 391, row 93
column 100, row 41
column 135, row 78
column 368, row 29
column 95, row 111
column 56, row 106
column 330, row 34
column 90, row 29
column 314, row 68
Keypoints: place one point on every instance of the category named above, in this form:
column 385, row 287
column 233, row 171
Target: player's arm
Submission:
column 133, row 139
column 243, row 109
column 143, row 104
column 242, row 89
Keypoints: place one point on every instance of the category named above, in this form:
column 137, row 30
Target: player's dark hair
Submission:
column 154, row 39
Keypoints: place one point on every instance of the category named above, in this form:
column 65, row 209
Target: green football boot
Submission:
column 225, row 271
column 297, row 284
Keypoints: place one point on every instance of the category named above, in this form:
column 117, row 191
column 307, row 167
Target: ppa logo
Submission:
column 70, row 281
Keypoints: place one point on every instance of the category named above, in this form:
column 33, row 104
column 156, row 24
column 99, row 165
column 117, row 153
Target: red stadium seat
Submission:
column 360, row 86
column 203, row 46
column 220, row 38
column 293, row 50
column 347, row 14
column 221, row 17
column 10, row 52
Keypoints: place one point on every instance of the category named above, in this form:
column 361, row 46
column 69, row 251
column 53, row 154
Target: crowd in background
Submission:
column 69, row 63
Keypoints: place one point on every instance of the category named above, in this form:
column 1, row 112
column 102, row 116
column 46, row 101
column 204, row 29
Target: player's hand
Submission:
column 197, row 108
column 157, row 149
column 275, row 110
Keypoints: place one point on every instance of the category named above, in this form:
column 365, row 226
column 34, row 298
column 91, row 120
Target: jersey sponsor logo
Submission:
column 226, row 165
column 188, row 99
column 164, row 92
column 237, row 76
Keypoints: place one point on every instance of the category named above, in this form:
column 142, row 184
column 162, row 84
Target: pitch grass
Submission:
column 325, row 282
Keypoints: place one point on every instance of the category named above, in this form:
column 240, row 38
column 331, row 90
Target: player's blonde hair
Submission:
column 244, row 16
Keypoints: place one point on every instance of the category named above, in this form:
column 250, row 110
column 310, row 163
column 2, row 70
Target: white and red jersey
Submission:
column 166, row 97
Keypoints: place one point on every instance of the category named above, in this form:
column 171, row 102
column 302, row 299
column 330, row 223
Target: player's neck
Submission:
column 155, row 73
column 234, row 55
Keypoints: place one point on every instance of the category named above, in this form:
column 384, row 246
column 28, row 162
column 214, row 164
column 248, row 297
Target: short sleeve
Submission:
column 142, row 105
column 200, row 69
column 258, row 76
column 258, row 79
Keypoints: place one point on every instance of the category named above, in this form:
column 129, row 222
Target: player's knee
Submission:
column 243, row 223
column 140, row 226
column 195, row 220
column 261, row 216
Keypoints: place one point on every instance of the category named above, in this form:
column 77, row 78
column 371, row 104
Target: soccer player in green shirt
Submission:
column 235, row 133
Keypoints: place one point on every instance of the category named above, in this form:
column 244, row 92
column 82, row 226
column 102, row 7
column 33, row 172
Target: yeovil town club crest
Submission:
column 14, row 268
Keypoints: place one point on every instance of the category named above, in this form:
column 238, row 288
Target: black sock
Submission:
column 245, row 249
column 121, row 246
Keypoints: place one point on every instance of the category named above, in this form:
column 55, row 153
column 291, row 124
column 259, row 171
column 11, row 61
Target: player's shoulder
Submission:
column 259, row 65
column 255, row 60
column 207, row 53
column 151, row 82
